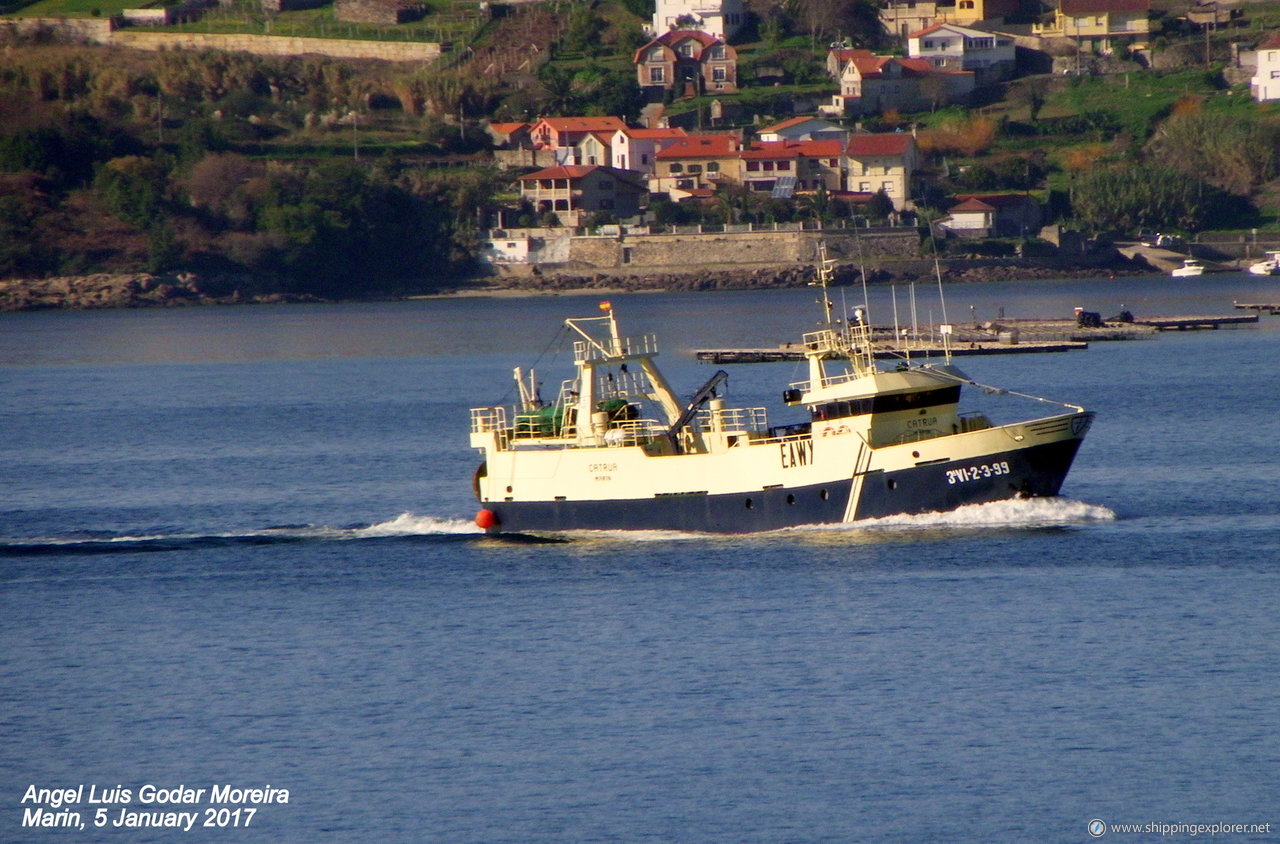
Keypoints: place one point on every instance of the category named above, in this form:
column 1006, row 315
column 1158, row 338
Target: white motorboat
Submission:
column 1270, row 266
column 1189, row 267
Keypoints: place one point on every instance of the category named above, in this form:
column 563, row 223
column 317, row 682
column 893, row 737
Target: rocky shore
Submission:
column 792, row 276
column 134, row 290
column 138, row 290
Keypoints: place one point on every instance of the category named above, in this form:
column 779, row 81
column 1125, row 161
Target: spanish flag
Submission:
column 606, row 306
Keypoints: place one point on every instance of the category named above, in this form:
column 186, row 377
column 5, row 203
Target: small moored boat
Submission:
column 1269, row 266
column 617, row 448
column 1189, row 267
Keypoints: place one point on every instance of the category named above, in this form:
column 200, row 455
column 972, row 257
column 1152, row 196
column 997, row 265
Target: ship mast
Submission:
column 837, row 338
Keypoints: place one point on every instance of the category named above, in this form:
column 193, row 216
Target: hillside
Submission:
column 326, row 177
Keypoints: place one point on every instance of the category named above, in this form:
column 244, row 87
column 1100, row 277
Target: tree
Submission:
column 1031, row 93
column 1237, row 154
column 880, row 206
column 1148, row 195
column 583, row 30
column 227, row 187
column 133, row 188
column 560, row 96
column 817, row 205
column 163, row 250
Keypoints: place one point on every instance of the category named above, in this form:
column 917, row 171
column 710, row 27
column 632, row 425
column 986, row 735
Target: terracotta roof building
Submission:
column 576, row 192
column 689, row 62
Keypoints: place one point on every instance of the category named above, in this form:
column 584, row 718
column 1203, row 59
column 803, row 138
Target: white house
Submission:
column 802, row 129
column 720, row 18
column 637, row 149
column 989, row 55
column 1265, row 84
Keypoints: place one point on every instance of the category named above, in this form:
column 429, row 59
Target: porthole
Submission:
column 915, row 454
column 891, row 483
column 824, row 495
column 749, row 503
column 791, row 499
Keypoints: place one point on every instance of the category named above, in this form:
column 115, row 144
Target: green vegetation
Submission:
column 246, row 16
column 76, row 8
column 344, row 178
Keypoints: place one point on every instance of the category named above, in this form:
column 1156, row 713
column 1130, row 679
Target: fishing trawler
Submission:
column 617, row 448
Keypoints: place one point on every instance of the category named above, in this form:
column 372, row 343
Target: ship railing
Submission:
column 785, row 433
column 634, row 432
column 623, row 385
column 827, row 380
column 734, row 420
column 491, row 419
column 608, row 348
column 852, row 342
column 484, row 419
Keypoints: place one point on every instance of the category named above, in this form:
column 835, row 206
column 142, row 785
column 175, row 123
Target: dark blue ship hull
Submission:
column 1023, row 473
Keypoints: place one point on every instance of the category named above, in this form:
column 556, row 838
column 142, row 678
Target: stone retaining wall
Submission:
column 743, row 248
column 88, row 30
column 103, row 31
column 277, row 45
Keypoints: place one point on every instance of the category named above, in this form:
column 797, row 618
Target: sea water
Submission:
column 236, row 553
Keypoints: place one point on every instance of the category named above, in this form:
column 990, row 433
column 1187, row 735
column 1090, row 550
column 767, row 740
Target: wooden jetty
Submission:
column 1008, row 337
column 887, row 352
column 1271, row 309
column 1195, row 323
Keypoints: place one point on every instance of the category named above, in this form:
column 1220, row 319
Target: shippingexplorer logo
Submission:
column 1098, row 828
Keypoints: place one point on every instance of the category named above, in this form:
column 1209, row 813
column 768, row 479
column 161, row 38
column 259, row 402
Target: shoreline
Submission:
column 100, row 291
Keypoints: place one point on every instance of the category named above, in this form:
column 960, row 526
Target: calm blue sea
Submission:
column 236, row 549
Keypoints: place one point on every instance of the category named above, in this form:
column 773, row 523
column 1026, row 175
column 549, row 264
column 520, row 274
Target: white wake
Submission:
column 1026, row 512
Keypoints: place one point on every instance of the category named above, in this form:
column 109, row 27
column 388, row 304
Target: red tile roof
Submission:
column 701, row 146
column 771, row 150
column 961, row 30
column 563, row 171
column 786, row 124
column 896, row 143
column 1272, row 42
column 928, row 30
column 876, row 66
column 992, row 200
column 578, row 171
column 848, row 54
column 971, row 205
column 675, row 36
column 792, row 149
column 584, row 124
column 656, row 134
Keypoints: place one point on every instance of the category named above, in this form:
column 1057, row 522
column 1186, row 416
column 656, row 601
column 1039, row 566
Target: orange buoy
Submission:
column 486, row 519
